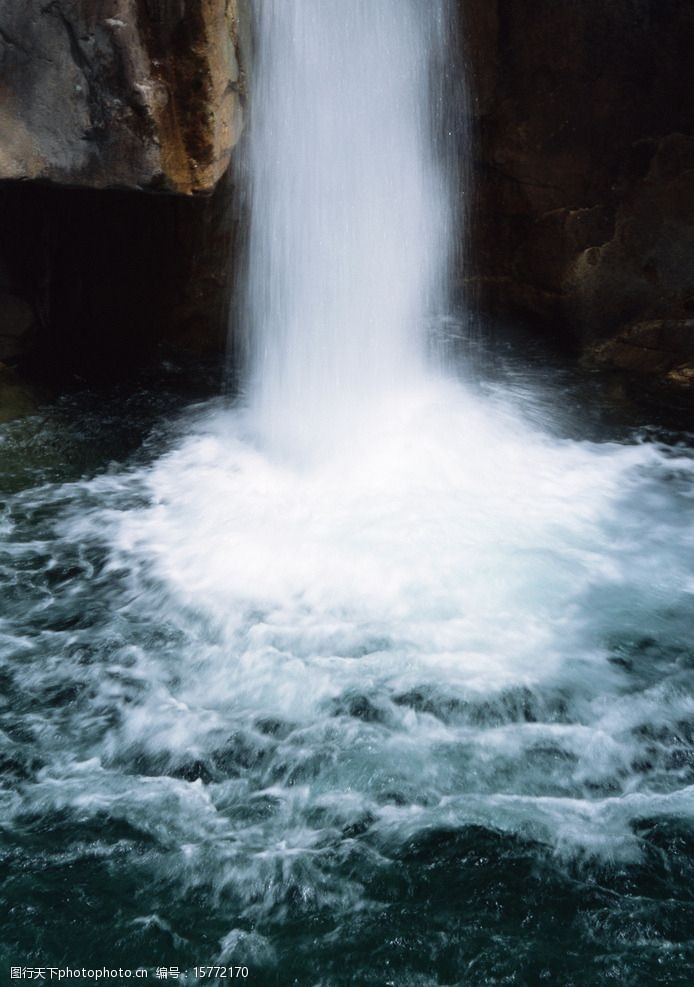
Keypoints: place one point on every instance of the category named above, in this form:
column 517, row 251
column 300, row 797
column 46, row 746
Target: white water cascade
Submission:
column 349, row 214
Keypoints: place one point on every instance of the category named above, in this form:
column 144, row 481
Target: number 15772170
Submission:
column 230, row 972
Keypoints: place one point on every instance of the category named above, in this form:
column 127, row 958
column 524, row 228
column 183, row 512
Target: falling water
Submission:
column 376, row 677
column 349, row 233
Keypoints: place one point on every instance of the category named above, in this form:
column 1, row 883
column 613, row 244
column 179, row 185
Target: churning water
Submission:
column 376, row 678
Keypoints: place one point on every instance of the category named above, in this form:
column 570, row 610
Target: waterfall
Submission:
column 349, row 212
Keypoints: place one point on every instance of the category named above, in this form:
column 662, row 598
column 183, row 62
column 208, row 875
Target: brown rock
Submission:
column 682, row 376
column 584, row 163
column 125, row 93
column 100, row 99
column 663, row 347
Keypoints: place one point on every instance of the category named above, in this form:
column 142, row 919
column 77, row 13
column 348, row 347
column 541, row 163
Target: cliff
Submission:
column 583, row 219
column 119, row 93
column 582, row 184
column 101, row 100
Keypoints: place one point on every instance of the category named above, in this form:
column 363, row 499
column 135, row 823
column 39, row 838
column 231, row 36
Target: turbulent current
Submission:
column 419, row 714
column 382, row 674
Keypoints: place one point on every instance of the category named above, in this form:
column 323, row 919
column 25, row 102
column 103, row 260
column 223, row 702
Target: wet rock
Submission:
column 99, row 100
column 126, row 93
column 682, row 376
column 662, row 347
column 583, row 220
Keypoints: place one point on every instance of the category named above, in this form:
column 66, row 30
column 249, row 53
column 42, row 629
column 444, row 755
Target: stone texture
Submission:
column 99, row 100
column 659, row 346
column 119, row 93
column 583, row 219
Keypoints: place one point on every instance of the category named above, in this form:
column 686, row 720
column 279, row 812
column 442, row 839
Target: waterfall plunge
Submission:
column 367, row 529
column 349, row 214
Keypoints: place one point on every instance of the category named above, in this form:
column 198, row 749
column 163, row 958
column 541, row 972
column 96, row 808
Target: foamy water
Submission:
column 430, row 615
column 246, row 693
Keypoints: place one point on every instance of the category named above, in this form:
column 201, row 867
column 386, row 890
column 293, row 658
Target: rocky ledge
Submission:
column 119, row 93
column 101, row 100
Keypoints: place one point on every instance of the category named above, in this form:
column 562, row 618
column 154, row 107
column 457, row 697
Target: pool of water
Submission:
column 417, row 710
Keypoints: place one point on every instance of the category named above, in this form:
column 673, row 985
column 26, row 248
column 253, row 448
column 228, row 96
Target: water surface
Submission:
column 418, row 713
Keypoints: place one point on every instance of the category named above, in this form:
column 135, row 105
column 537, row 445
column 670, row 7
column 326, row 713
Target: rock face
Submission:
column 99, row 100
column 119, row 93
column 583, row 219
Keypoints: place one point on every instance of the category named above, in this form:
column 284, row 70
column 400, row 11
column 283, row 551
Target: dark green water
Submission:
column 350, row 726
